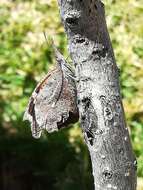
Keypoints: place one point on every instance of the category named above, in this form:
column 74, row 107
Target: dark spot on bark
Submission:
column 78, row 102
column 83, row 117
column 86, row 101
column 90, row 121
column 100, row 51
column 107, row 110
column 121, row 151
column 104, row 51
column 86, row 42
column 72, row 21
column 89, row 10
column 99, row 132
column 95, row 51
column 90, row 137
column 102, row 98
column 108, row 113
column 80, row 40
column 107, row 174
column 95, row 6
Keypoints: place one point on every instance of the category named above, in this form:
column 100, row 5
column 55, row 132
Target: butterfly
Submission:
column 53, row 104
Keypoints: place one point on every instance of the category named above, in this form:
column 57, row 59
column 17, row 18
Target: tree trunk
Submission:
column 99, row 100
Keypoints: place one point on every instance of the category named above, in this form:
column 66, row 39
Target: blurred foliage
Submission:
column 60, row 160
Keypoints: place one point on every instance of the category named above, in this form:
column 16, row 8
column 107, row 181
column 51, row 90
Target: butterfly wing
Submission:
column 41, row 102
column 53, row 102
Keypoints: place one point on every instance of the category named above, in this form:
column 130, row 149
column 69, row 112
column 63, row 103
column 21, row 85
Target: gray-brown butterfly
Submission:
column 53, row 103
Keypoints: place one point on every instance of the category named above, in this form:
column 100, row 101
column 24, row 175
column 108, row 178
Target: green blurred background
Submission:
column 58, row 161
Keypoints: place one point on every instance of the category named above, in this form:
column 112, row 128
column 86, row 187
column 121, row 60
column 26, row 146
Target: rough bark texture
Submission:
column 99, row 101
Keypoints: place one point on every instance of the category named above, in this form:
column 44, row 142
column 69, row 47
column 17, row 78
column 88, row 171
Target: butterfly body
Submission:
column 53, row 102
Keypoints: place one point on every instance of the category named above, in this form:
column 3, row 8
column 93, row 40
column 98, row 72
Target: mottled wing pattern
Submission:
column 53, row 102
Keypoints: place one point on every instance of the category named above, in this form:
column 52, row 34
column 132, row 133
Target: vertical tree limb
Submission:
column 99, row 101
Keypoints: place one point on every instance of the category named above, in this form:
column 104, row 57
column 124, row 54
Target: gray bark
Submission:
column 99, row 100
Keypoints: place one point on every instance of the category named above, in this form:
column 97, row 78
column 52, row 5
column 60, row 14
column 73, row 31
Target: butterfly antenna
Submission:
column 57, row 53
column 46, row 38
column 59, row 57
column 50, row 42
